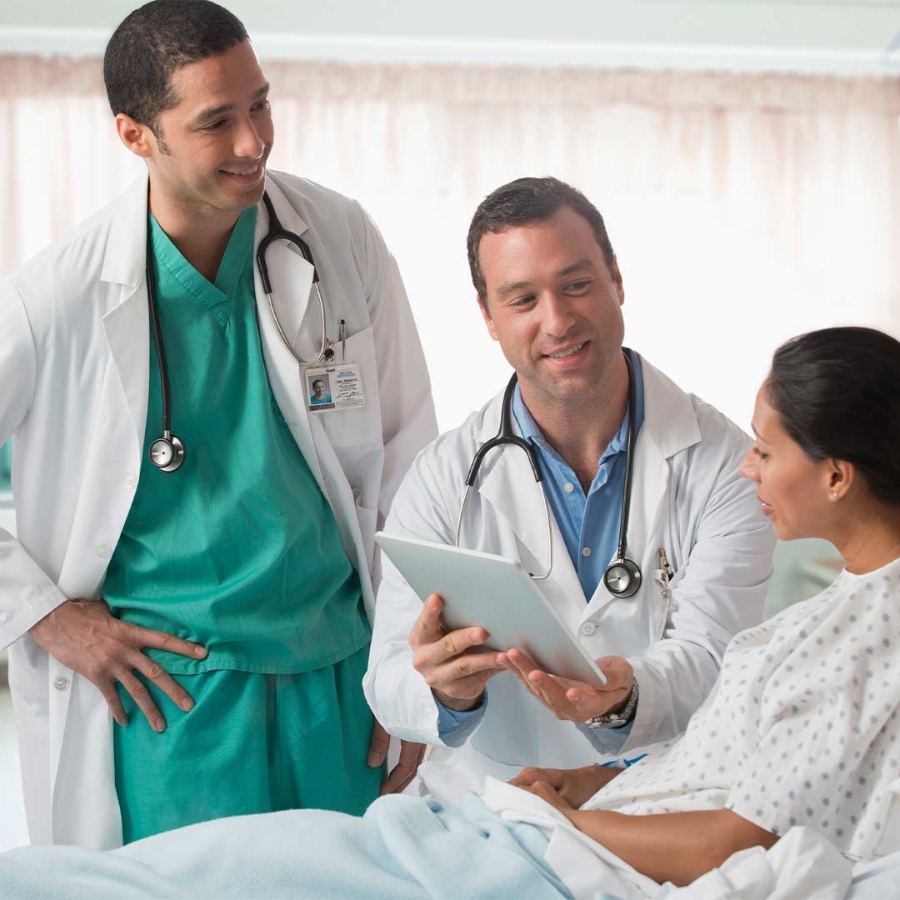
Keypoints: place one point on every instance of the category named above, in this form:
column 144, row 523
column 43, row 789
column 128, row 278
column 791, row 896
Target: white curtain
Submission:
column 743, row 208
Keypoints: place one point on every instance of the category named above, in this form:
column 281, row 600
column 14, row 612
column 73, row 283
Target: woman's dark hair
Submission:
column 524, row 202
column 838, row 394
column 155, row 40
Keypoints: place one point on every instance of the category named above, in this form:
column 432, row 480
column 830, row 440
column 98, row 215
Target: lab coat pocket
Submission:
column 360, row 426
column 355, row 434
column 662, row 599
column 368, row 525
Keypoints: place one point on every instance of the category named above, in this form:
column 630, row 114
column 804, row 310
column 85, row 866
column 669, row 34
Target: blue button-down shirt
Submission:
column 589, row 522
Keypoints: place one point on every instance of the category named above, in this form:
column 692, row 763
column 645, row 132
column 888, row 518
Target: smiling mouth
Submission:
column 565, row 354
column 245, row 173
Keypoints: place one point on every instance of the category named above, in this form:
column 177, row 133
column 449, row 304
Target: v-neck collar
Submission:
column 215, row 296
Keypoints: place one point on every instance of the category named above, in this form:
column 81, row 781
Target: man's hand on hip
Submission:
column 571, row 700
column 84, row 636
column 411, row 756
column 448, row 661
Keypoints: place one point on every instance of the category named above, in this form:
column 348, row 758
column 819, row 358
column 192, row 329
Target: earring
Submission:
column 835, row 495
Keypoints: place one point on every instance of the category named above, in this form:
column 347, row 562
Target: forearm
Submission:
column 676, row 847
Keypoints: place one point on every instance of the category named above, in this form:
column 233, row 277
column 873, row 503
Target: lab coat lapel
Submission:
column 126, row 325
column 117, row 435
column 291, row 277
column 506, row 483
column 670, row 426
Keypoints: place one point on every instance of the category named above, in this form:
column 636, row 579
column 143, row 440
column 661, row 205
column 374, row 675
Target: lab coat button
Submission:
column 588, row 628
column 130, row 479
column 104, row 551
column 61, row 684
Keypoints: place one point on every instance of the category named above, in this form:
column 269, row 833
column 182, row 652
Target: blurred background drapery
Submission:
column 744, row 208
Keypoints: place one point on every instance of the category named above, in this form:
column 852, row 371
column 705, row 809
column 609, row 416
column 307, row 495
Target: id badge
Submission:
column 337, row 386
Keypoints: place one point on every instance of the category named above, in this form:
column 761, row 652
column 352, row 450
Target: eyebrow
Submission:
column 216, row 111
column 514, row 287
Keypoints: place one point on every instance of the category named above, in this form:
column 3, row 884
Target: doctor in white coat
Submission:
column 551, row 294
column 74, row 350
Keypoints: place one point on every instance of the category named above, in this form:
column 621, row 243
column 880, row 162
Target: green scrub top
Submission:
column 238, row 550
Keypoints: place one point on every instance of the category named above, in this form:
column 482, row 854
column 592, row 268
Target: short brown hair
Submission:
column 524, row 202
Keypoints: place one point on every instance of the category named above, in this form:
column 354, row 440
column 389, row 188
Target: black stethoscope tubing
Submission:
column 622, row 577
column 167, row 453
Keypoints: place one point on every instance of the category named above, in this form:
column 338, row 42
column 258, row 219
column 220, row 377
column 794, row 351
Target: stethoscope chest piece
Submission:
column 167, row 453
column 622, row 578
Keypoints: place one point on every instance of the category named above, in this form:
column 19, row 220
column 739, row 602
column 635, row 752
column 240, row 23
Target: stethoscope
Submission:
column 622, row 577
column 167, row 452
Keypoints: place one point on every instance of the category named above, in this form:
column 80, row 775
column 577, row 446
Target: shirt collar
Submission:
column 532, row 433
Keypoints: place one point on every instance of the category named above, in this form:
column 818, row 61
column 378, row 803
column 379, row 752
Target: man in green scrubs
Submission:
column 234, row 634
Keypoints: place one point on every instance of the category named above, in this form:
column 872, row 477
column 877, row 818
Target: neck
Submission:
column 581, row 429
column 201, row 235
column 870, row 539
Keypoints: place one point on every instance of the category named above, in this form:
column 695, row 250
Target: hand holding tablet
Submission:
column 496, row 595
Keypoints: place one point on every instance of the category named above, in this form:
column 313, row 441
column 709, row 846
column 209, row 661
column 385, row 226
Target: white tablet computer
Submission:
column 496, row 594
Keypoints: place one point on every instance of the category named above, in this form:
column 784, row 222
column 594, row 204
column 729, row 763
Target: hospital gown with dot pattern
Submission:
column 801, row 728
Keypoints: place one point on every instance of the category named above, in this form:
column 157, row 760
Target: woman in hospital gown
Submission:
column 801, row 728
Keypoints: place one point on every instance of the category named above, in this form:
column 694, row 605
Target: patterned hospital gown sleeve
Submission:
column 827, row 699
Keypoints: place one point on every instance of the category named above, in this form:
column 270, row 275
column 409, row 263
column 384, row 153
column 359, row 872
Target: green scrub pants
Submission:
column 253, row 743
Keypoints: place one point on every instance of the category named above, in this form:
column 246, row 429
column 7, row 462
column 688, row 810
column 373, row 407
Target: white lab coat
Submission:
column 74, row 365
column 687, row 498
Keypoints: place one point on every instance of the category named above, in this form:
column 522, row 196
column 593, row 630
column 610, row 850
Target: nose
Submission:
column 748, row 468
column 247, row 142
column 557, row 318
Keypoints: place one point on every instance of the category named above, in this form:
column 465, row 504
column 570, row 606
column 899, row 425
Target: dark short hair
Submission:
column 837, row 392
column 319, row 381
column 155, row 40
column 524, row 202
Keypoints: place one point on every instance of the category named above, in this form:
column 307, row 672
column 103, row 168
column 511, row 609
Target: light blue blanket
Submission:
column 402, row 848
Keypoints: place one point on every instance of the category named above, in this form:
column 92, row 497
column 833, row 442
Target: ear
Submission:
column 841, row 477
column 482, row 308
column 617, row 279
column 138, row 138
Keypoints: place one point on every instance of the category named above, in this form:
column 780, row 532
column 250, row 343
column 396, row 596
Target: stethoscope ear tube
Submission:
column 167, row 453
column 277, row 233
column 622, row 577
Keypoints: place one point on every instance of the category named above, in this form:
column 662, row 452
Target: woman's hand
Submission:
column 574, row 787
column 549, row 793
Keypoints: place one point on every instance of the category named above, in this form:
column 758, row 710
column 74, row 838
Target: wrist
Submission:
column 458, row 704
column 619, row 715
column 45, row 622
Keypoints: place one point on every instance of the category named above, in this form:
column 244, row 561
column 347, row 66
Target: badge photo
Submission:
column 337, row 387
